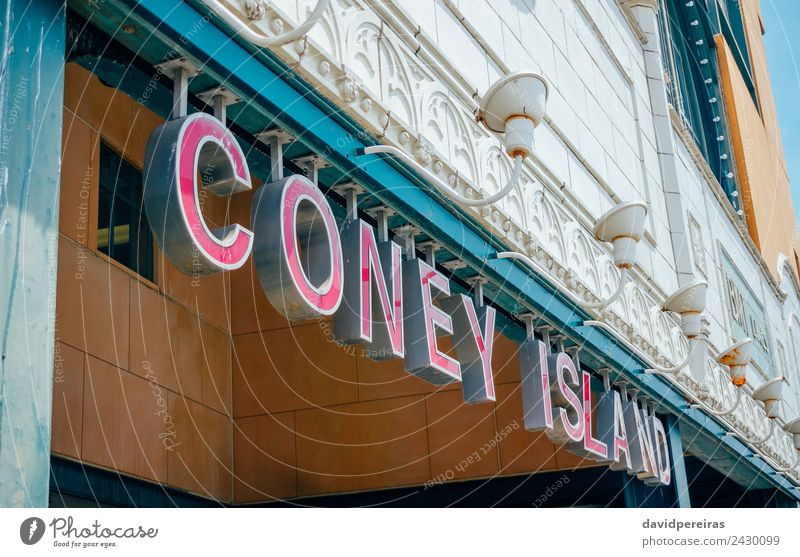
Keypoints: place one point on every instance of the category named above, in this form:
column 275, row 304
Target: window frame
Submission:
column 140, row 245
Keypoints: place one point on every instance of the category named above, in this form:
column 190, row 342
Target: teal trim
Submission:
column 275, row 92
column 31, row 105
column 679, row 479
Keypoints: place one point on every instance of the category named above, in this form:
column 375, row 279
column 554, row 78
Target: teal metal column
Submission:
column 31, row 103
column 679, row 480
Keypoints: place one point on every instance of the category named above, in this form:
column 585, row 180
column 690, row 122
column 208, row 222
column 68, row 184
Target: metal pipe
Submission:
column 444, row 189
column 726, row 412
column 623, row 280
column 768, row 437
column 241, row 28
column 654, row 368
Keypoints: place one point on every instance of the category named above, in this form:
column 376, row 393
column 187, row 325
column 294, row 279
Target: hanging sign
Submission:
column 557, row 399
column 395, row 307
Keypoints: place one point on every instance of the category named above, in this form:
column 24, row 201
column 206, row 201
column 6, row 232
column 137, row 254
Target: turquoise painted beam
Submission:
column 31, row 104
column 679, row 480
column 272, row 88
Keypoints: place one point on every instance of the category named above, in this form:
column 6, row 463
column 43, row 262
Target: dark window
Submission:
column 123, row 232
column 693, row 85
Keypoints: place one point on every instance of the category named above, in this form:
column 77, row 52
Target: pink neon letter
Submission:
column 563, row 363
column 592, row 445
column 177, row 152
column 421, row 320
column 473, row 339
column 298, row 254
column 391, row 308
column 620, row 434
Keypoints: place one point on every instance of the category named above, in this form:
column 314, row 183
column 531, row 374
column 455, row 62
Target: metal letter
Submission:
column 298, row 254
column 421, row 319
column 372, row 304
column 177, row 152
column 473, row 338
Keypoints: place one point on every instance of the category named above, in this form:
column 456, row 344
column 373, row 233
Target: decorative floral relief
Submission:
column 361, row 54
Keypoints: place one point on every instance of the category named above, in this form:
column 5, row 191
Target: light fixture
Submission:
column 737, row 357
column 689, row 302
column 243, row 29
column 622, row 227
column 770, row 394
column 514, row 105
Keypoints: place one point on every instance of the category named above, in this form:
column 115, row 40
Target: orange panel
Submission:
column 216, row 368
column 67, row 401
column 288, row 369
column 460, row 437
column 165, row 343
column 78, row 194
column 520, row 451
column 251, row 310
column 92, row 304
column 202, row 458
column 264, row 456
column 124, row 422
column 368, row 445
column 505, row 360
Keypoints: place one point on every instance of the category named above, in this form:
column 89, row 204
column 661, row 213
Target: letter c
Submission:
column 177, row 152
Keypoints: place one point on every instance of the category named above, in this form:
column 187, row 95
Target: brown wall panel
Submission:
column 92, row 304
column 67, row 431
column 461, row 437
column 201, row 460
column 368, row 445
column 122, row 427
column 289, row 369
column 264, row 454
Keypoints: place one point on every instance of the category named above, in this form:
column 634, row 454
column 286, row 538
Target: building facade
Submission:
column 132, row 378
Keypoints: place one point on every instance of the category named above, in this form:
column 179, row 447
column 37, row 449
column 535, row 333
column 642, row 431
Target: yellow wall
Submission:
column 761, row 167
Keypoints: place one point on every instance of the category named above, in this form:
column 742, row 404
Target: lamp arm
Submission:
column 782, row 470
column 724, row 412
column 623, row 280
column 441, row 186
column 768, row 437
column 653, row 367
column 258, row 39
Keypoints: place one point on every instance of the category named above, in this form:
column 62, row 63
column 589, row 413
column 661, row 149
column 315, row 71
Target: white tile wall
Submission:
column 598, row 70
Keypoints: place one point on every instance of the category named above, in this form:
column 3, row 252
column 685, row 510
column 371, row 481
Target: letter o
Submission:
column 297, row 252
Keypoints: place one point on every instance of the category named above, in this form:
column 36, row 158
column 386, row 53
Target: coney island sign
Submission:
column 395, row 306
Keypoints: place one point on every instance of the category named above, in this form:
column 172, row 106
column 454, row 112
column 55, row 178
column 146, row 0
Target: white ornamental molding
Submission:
column 360, row 63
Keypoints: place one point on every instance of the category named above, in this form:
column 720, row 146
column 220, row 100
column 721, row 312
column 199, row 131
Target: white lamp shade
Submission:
column 522, row 93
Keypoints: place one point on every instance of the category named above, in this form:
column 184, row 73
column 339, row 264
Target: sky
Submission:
column 782, row 42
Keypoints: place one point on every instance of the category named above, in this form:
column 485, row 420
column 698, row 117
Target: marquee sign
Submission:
column 557, row 399
column 395, row 306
